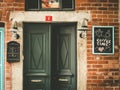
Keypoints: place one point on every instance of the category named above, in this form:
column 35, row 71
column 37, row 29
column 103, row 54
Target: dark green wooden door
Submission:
column 49, row 56
column 36, row 57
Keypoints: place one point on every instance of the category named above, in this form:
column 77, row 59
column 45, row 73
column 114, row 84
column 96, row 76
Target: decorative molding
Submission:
column 57, row 16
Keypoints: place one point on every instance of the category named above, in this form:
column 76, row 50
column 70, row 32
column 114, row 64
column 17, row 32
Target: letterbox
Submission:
column 13, row 51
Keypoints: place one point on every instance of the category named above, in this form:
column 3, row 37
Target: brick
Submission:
column 98, row 88
column 108, row 12
column 91, row 8
column 113, row 62
column 92, row 0
column 19, row 9
column 114, row 69
column 102, row 8
column 19, row 0
column 92, row 62
column 92, row 77
column 9, row 0
column 107, row 20
column 104, row 24
column 108, row 4
column 102, row 16
column 82, row 8
column 102, row 62
column 81, row 1
column 97, row 81
column 98, row 19
column 100, row 77
column 103, row 0
column 92, row 69
column 96, row 4
column 103, row 70
column 97, row 66
column 89, row 81
column 85, row 4
column 113, row 8
column 108, row 58
column 108, row 88
column 90, row 58
column 117, row 89
column 113, row 16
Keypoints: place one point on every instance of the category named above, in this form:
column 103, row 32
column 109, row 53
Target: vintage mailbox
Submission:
column 13, row 51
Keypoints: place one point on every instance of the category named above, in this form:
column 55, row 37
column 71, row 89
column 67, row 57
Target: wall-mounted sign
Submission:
column 13, row 51
column 103, row 40
column 48, row 18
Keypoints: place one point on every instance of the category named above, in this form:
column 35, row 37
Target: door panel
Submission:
column 50, row 56
column 36, row 62
column 64, row 59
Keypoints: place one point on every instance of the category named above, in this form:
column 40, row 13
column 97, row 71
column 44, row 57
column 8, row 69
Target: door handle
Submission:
column 36, row 81
column 63, row 80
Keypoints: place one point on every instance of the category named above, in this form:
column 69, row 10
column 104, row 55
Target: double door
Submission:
column 49, row 56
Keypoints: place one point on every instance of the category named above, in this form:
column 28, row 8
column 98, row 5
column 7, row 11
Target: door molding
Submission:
column 1, row 58
column 74, row 16
column 50, row 44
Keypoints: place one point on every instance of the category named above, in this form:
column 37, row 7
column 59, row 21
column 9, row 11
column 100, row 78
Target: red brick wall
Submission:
column 7, row 6
column 103, row 70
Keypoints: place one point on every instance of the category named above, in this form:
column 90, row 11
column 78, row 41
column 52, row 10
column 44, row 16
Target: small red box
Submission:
column 48, row 18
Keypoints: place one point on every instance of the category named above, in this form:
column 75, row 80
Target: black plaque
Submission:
column 13, row 51
column 103, row 39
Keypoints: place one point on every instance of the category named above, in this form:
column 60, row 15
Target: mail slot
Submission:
column 36, row 81
column 13, row 51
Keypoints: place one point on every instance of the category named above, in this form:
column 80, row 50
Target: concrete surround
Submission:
column 57, row 16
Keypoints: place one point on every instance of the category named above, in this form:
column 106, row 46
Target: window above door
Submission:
column 49, row 5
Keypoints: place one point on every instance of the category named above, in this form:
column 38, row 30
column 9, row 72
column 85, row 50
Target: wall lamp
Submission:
column 14, row 31
column 84, row 28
